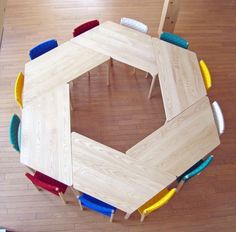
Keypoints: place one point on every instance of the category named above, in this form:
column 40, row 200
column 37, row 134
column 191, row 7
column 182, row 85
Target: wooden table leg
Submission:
column 108, row 72
column 152, row 84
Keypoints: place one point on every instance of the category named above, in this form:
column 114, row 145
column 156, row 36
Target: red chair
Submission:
column 85, row 27
column 45, row 182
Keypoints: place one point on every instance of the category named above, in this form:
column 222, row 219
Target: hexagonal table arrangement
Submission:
column 125, row 181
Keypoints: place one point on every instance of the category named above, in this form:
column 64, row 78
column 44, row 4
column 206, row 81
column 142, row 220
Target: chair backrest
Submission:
column 206, row 74
column 163, row 201
column 134, row 24
column 47, row 183
column 174, row 39
column 96, row 205
column 19, row 84
column 42, row 48
column 219, row 117
column 198, row 169
column 85, row 27
column 14, row 132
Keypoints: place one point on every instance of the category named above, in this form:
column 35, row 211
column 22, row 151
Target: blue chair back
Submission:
column 42, row 48
column 14, row 132
column 96, row 205
column 174, row 39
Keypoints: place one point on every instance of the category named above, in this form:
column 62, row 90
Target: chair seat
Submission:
column 96, row 205
column 47, row 183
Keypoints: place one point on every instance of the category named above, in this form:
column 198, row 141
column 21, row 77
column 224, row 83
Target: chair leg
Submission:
column 80, row 205
column 39, row 189
column 111, row 62
column 112, row 216
column 134, row 71
column 62, row 198
column 180, row 186
column 152, row 84
column 71, row 84
column 142, row 218
column 31, row 169
column 75, row 192
column 146, row 76
column 127, row 215
column 108, row 73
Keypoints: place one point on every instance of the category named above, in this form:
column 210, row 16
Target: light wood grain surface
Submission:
column 179, row 76
column 121, row 43
column 113, row 177
column 46, row 140
column 60, row 65
column 180, row 143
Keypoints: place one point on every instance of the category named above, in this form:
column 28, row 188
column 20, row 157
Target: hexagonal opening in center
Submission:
column 119, row 115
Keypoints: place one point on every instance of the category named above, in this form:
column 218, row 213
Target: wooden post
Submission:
column 3, row 4
column 169, row 16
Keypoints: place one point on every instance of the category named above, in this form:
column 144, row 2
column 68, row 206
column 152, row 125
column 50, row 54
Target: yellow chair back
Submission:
column 206, row 74
column 19, row 84
column 159, row 200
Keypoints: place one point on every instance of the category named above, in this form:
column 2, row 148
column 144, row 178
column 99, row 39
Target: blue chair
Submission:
column 96, row 205
column 42, row 48
column 193, row 171
column 14, row 132
column 174, row 39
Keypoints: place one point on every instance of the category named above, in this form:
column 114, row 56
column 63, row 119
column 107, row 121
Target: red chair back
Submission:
column 47, row 183
column 85, row 27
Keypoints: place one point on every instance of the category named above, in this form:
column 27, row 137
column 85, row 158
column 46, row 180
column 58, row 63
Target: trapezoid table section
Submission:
column 58, row 66
column 45, row 133
column 122, row 44
column 180, row 77
column 181, row 142
column 113, row 177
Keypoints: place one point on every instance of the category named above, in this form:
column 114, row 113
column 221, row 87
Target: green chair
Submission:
column 14, row 132
column 193, row 171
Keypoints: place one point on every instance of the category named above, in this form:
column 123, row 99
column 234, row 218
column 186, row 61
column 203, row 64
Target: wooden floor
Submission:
column 207, row 202
column 120, row 115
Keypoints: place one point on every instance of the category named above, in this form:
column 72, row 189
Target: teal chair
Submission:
column 14, row 132
column 193, row 171
column 174, row 39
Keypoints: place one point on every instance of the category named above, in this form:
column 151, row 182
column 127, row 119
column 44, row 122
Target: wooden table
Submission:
column 124, row 180
column 45, row 130
column 58, row 66
column 181, row 142
column 123, row 44
column 113, row 177
column 180, row 77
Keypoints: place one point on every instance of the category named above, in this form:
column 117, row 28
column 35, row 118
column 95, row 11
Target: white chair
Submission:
column 136, row 25
column 219, row 117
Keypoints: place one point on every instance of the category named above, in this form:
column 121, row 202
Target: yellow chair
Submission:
column 156, row 202
column 19, row 84
column 206, row 74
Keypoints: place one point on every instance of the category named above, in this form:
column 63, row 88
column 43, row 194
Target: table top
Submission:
column 58, row 66
column 181, row 142
column 46, row 134
column 112, row 176
column 121, row 43
column 180, row 77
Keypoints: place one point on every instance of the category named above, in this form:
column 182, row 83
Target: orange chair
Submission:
column 156, row 202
